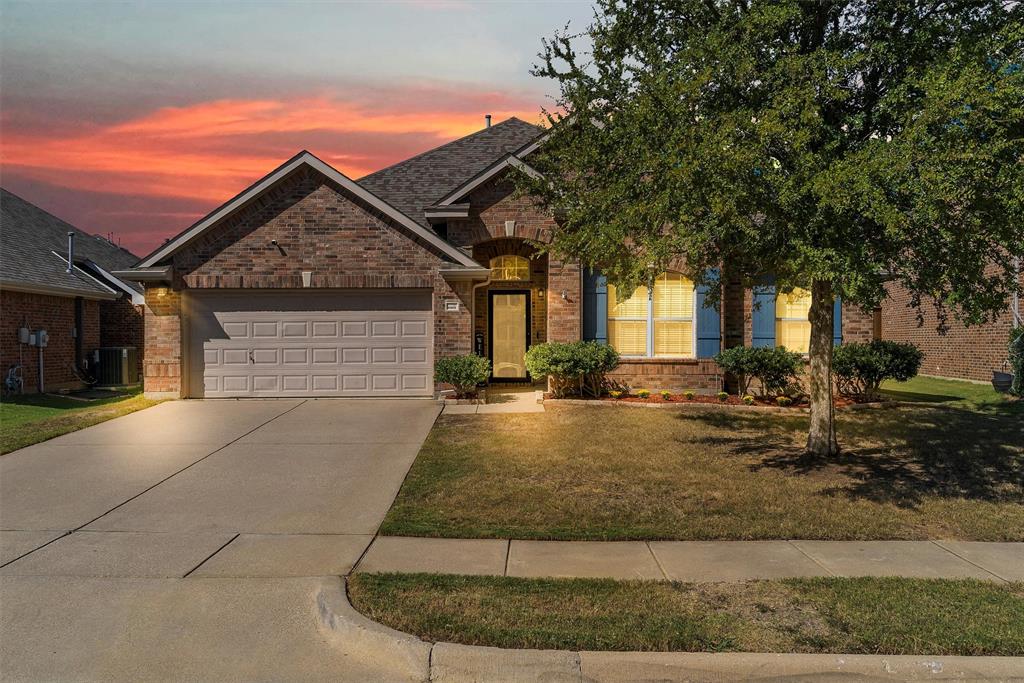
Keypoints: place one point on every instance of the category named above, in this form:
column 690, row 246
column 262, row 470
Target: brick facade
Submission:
column 962, row 352
column 319, row 228
column 162, row 362
column 55, row 314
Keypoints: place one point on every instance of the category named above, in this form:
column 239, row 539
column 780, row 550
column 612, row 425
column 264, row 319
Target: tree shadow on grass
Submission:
column 899, row 457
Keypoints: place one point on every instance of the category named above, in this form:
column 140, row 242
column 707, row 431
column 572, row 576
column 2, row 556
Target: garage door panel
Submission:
column 255, row 344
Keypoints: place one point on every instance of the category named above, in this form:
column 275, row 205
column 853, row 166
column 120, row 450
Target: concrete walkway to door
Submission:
column 189, row 540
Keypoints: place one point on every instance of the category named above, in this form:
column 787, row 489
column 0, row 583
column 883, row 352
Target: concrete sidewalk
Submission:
column 696, row 561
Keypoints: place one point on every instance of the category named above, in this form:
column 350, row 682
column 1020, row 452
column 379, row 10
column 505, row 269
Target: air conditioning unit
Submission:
column 117, row 365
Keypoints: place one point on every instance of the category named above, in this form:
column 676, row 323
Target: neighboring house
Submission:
column 82, row 308
column 311, row 284
column 961, row 352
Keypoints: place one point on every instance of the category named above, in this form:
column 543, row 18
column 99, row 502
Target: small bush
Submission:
column 748, row 399
column 615, row 393
column 784, row 401
column 643, row 393
column 462, row 372
column 859, row 368
column 665, row 395
column 774, row 368
column 723, row 396
column 689, row 395
column 574, row 368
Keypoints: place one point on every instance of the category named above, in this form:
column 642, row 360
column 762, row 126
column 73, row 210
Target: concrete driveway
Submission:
column 168, row 523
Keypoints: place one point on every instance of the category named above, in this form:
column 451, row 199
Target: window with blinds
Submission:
column 655, row 322
column 510, row 268
column 792, row 327
column 627, row 321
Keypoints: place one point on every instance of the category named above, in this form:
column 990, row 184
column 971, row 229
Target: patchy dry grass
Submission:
column 938, row 471
column 861, row 615
column 29, row 419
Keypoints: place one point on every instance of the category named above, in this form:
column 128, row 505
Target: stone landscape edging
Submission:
column 405, row 657
column 876, row 405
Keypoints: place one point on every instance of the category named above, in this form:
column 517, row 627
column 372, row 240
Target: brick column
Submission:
column 564, row 314
column 162, row 364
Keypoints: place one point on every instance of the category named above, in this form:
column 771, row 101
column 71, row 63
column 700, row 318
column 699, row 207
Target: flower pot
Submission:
column 1001, row 381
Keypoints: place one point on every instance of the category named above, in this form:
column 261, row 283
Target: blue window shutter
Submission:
column 837, row 322
column 764, row 315
column 595, row 306
column 709, row 326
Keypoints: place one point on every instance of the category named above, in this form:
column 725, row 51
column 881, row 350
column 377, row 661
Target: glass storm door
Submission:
column 509, row 334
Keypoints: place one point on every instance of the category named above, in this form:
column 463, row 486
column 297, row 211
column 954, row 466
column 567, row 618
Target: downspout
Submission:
column 1016, row 317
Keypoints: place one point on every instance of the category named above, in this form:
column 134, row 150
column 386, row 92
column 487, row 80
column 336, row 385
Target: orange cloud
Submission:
column 181, row 151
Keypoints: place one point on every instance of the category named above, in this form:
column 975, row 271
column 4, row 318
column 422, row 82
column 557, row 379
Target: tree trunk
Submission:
column 821, row 437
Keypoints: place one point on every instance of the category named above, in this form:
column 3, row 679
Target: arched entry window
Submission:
column 510, row 268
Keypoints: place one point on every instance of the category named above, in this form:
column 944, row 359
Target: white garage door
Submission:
column 310, row 343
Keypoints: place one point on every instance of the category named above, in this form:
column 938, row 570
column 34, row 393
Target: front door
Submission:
column 510, row 334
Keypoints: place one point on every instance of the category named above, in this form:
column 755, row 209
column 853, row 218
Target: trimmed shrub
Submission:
column 775, row 368
column 665, row 394
column 574, row 368
column 462, row 372
column 723, row 396
column 859, row 368
column 690, row 394
column 615, row 393
column 643, row 393
column 748, row 399
column 784, row 401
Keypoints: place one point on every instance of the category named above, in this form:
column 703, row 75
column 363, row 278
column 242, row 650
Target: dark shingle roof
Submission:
column 418, row 182
column 28, row 238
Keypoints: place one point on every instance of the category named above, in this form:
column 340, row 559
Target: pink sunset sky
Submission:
column 138, row 119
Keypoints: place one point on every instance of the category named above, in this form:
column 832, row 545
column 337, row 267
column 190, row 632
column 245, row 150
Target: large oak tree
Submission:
column 829, row 145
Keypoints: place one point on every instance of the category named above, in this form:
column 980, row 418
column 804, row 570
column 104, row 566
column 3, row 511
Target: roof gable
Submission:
column 419, row 182
column 261, row 186
column 34, row 247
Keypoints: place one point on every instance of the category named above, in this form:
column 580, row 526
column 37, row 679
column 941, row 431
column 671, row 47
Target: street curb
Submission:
column 398, row 656
column 407, row 658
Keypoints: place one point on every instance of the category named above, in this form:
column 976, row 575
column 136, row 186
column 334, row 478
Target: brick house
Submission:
column 961, row 352
column 82, row 307
column 311, row 284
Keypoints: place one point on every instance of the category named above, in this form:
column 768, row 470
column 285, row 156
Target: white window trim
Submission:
column 649, row 353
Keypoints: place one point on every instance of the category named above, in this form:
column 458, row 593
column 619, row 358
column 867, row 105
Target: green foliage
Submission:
column 838, row 144
column 643, row 393
column 573, row 368
column 774, row 367
column 723, row 396
column 784, row 401
column 748, row 400
column 464, row 373
column 1016, row 347
column 690, row 394
column 665, row 394
column 860, row 368
column 615, row 393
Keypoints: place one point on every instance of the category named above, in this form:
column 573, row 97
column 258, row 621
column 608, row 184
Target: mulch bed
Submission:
column 840, row 401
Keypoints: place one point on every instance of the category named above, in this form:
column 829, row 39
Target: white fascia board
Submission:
column 508, row 161
column 330, row 172
column 137, row 297
column 151, row 274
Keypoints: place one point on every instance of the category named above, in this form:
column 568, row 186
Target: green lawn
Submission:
column 944, row 391
column 858, row 615
column 952, row 470
column 29, row 419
